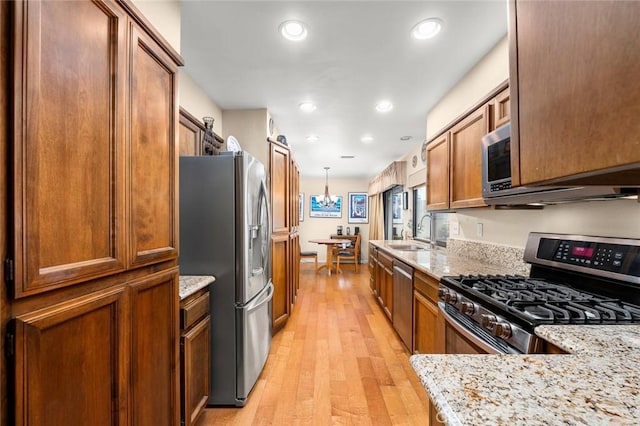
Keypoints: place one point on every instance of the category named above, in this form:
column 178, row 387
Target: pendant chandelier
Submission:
column 327, row 200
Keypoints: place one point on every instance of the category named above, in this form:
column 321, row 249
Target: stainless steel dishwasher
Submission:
column 403, row 302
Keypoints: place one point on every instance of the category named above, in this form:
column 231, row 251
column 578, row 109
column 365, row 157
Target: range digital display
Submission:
column 582, row 251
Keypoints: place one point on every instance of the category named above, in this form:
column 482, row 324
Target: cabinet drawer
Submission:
column 426, row 285
column 193, row 310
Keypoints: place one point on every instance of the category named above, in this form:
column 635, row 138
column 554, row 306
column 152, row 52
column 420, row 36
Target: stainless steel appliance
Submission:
column 403, row 302
column 574, row 279
column 497, row 182
column 225, row 232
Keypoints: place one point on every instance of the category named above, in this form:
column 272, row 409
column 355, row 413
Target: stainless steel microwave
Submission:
column 497, row 186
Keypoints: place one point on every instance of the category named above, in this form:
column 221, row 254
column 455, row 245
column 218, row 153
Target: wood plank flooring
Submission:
column 337, row 361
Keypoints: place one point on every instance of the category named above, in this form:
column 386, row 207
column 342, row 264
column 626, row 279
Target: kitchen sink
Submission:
column 407, row 247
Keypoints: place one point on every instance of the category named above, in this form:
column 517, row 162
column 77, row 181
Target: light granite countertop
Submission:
column 439, row 262
column 189, row 284
column 597, row 384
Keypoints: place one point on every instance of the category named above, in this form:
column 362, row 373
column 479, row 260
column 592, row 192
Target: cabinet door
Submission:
column 294, row 266
column 153, row 152
column 190, row 134
column 154, row 351
column 576, row 111
column 501, row 109
column 372, row 269
column 195, row 370
column 388, row 291
column 280, row 277
column 466, row 159
column 279, row 172
column 70, row 362
column 68, row 145
column 438, row 173
column 425, row 330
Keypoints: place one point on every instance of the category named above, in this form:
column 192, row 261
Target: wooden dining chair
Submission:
column 309, row 253
column 349, row 253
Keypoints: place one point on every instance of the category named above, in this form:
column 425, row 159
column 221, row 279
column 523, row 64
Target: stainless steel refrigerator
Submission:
column 225, row 231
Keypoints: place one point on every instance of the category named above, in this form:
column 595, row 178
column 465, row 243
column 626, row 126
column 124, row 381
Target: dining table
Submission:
column 330, row 243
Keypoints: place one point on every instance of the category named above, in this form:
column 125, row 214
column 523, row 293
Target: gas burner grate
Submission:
column 546, row 302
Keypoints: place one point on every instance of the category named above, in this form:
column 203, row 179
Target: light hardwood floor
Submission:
column 337, row 361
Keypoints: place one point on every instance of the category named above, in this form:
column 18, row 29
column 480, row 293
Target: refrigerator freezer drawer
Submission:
column 253, row 340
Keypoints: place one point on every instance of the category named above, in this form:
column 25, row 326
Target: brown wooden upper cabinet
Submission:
column 190, row 132
column 574, row 70
column 94, row 175
column 279, row 174
column 454, row 161
column 69, row 150
column 438, row 173
column 466, row 159
column 153, row 170
column 501, row 109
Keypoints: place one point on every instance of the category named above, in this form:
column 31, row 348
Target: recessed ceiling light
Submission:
column 367, row 138
column 312, row 138
column 347, row 156
column 307, row 106
column 406, row 138
column 293, row 30
column 384, row 106
column 426, row 29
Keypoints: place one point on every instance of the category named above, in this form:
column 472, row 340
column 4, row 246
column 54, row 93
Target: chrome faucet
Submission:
column 421, row 219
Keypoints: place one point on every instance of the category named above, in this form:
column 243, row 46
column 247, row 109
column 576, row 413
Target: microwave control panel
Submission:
column 500, row 186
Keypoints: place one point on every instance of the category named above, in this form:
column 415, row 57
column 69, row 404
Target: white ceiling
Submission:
column 356, row 53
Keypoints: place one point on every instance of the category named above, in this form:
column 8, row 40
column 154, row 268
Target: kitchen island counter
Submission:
column 598, row 383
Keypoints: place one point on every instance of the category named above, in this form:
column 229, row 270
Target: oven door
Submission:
column 463, row 336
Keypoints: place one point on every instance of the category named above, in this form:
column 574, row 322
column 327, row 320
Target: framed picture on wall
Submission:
column 318, row 209
column 396, row 207
column 301, row 206
column 358, row 207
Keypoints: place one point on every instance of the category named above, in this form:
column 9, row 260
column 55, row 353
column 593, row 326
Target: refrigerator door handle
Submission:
column 263, row 197
column 260, row 300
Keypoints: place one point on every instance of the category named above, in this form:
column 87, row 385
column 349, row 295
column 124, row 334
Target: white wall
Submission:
column 165, row 16
column 615, row 218
column 314, row 228
column 196, row 102
column 485, row 76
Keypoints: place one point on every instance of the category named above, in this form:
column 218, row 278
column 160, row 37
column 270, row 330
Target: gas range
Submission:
column 573, row 280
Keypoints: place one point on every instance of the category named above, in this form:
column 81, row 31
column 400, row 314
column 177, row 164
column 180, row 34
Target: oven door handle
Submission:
column 466, row 333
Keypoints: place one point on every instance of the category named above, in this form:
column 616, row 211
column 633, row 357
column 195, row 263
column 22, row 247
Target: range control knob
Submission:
column 451, row 297
column 503, row 330
column 442, row 292
column 468, row 308
column 488, row 320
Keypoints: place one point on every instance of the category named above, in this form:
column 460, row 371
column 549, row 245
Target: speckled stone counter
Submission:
column 189, row 284
column 439, row 262
column 598, row 384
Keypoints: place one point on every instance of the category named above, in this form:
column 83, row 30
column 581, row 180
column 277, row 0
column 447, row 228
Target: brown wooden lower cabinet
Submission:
column 280, row 278
column 109, row 357
column 373, row 268
column 195, row 352
column 70, row 362
column 385, row 279
column 154, row 351
column 427, row 334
